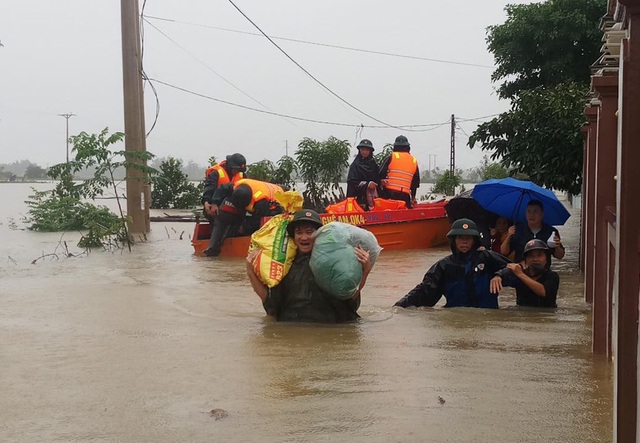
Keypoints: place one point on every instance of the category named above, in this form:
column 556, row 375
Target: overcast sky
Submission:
column 64, row 56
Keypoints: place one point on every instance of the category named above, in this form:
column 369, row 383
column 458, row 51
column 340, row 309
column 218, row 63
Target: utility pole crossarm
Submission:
column 67, row 116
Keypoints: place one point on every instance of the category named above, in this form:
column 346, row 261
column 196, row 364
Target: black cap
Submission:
column 237, row 161
column 304, row 215
column 365, row 143
column 401, row 142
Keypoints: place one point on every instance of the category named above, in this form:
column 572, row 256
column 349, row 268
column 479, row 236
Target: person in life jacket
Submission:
column 399, row 174
column 241, row 207
column 464, row 277
column 227, row 171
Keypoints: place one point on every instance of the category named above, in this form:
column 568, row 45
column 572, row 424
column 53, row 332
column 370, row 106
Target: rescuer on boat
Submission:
column 363, row 179
column 241, row 207
column 399, row 174
column 227, row 171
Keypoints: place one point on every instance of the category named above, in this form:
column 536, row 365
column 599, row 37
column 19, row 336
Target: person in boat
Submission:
column 535, row 283
column 227, row 171
column 399, row 174
column 364, row 176
column 241, row 207
column 520, row 234
column 298, row 298
column 462, row 277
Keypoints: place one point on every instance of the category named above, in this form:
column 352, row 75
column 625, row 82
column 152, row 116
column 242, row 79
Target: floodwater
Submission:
column 141, row 346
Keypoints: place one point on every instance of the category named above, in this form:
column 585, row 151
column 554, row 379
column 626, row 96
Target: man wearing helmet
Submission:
column 227, row 171
column 463, row 277
column 364, row 177
column 241, row 207
column 298, row 297
column 399, row 174
column 536, row 285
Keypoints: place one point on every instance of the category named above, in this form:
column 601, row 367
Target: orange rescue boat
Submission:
column 424, row 226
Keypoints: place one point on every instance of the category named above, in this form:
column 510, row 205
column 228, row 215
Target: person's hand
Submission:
column 362, row 184
column 211, row 208
column 495, row 285
column 512, row 230
column 557, row 241
column 516, row 268
column 364, row 258
column 414, row 202
column 372, row 185
column 384, row 182
column 251, row 257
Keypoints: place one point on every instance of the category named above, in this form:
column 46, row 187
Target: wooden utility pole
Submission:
column 138, row 192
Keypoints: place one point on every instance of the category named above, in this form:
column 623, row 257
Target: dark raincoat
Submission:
column 525, row 295
column 362, row 171
column 298, row 298
column 462, row 278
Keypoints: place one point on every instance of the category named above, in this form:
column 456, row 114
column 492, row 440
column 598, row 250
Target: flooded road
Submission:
column 142, row 346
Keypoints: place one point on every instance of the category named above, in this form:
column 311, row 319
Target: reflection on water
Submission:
column 140, row 346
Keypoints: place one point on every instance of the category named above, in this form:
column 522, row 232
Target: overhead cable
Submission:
column 429, row 127
column 311, row 75
column 206, row 66
column 327, row 45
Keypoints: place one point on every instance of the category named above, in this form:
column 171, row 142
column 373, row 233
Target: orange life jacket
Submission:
column 387, row 204
column 347, row 205
column 223, row 176
column 259, row 190
column 402, row 167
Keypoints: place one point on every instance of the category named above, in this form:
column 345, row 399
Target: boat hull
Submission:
column 423, row 227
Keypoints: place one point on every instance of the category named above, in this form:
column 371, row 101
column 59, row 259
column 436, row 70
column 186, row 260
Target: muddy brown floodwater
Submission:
column 160, row 346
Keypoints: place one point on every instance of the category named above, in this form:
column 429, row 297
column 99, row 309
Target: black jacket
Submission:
column 362, row 171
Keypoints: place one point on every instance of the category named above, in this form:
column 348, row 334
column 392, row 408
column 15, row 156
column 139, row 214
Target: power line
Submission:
column 429, row 126
column 309, row 74
column 327, row 45
column 477, row 119
column 207, row 66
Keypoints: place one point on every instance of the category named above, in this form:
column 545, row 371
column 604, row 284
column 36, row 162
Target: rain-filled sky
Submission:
column 64, row 56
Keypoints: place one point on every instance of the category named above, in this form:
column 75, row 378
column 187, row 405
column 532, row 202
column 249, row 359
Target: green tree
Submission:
column 34, row 171
column 540, row 137
column 92, row 153
column 446, row 183
column 263, row 170
column 280, row 173
column 384, row 154
column 488, row 170
column 543, row 54
column 321, row 165
column 172, row 188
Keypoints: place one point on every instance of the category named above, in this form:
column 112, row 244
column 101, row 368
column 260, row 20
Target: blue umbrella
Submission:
column 509, row 197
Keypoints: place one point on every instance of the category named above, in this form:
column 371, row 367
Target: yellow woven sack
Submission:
column 277, row 250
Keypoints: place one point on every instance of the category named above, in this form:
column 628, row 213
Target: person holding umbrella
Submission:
column 534, row 209
column 533, row 228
